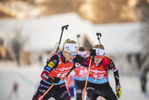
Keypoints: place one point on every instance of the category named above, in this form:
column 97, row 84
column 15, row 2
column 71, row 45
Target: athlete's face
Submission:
column 70, row 55
column 97, row 59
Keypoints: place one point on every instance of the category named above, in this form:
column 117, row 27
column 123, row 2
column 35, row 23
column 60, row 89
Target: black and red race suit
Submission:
column 80, row 73
column 56, row 67
column 98, row 82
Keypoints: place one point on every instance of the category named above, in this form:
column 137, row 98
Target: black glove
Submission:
column 92, row 53
column 79, row 59
column 54, row 80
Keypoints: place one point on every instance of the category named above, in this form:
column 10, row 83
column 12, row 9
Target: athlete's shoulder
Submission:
column 54, row 59
column 108, row 60
column 106, row 57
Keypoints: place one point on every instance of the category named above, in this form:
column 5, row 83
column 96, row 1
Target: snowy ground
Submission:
column 28, row 78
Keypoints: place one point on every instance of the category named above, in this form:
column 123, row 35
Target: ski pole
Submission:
column 46, row 92
column 68, row 82
column 87, row 78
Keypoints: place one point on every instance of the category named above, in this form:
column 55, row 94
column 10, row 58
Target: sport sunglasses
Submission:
column 73, row 54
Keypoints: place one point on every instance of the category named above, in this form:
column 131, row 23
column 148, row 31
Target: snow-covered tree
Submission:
column 142, row 11
column 17, row 42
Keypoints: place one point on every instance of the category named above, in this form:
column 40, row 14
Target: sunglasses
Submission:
column 99, row 57
column 73, row 54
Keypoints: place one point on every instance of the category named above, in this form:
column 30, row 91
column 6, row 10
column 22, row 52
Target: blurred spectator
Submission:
column 40, row 60
column 14, row 90
column 143, row 79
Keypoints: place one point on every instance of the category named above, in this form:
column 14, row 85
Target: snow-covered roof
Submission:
column 124, row 37
column 44, row 32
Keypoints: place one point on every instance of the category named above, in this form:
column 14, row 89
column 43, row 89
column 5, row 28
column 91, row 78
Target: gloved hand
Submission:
column 118, row 90
column 54, row 80
column 92, row 53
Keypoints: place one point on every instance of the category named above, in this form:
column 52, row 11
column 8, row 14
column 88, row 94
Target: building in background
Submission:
column 121, row 41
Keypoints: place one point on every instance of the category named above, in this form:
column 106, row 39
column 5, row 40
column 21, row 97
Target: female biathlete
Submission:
column 80, row 73
column 98, row 83
column 56, row 70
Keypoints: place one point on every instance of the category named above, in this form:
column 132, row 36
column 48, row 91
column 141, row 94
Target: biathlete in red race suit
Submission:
column 98, row 82
column 80, row 73
column 56, row 70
